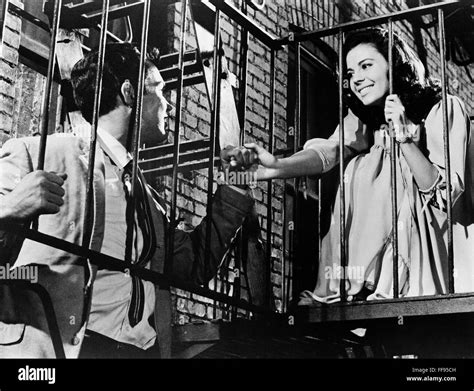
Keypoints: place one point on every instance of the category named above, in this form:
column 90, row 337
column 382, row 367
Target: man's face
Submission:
column 154, row 109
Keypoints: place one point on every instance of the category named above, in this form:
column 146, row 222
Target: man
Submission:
column 106, row 313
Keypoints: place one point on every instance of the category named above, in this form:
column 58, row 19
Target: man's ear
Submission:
column 128, row 93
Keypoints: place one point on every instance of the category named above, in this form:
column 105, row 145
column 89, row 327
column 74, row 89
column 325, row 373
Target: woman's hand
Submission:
column 395, row 115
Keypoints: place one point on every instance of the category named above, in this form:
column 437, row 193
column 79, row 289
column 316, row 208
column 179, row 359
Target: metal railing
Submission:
column 389, row 19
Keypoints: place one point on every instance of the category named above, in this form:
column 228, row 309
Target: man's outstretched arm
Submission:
column 229, row 209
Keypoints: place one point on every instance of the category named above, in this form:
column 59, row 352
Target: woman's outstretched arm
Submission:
column 302, row 163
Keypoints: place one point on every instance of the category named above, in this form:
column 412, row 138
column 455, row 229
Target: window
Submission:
column 304, row 223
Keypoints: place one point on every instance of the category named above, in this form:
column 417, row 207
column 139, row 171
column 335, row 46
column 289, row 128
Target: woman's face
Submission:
column 368, row 74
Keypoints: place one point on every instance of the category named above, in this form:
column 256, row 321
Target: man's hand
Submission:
column 247, row 156
column 39, row 192
column 251, row 156
column 238, row 158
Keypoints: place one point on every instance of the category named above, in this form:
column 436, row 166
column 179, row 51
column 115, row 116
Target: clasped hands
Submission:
column 251, row 158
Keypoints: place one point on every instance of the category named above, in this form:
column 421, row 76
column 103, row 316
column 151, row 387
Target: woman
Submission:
column 415, row 116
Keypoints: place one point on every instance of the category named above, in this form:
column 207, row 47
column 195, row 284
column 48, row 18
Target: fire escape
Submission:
column 320, row 331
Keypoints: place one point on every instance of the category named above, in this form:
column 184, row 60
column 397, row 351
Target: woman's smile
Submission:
column 368, row 70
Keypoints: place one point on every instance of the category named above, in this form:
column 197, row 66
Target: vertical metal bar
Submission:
column 243, row 82
column 309, row 15
column 296, row 143
column 242, row 119
column 3, row 22
column 138, row 107
column 342, row 198
column 291, row 267
column 298, row 98
column 223, row 279
column 271, row 121
column 393, row 168
column 215, row 118
column 284, row 247
column 447, row 160
column 48, row 308
column 320, row 208
column 49, row 85
column 318, row 10
column 88, row 213
column 176, row 140
column 298, row 23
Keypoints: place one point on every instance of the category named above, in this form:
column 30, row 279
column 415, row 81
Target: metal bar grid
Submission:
column 377, row 20
column 342, row 197
column 116, row 264
column 243, row 20
column 49, row 311
column 340, row 29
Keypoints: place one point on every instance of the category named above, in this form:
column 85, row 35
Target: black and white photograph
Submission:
column 262, row 181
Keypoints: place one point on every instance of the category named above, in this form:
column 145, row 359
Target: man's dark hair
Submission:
column 121, row 62
column 417, row 92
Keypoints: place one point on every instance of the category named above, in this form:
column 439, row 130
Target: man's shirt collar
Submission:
column 112, row 147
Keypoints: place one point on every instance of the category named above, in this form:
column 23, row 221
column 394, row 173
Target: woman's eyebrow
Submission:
column 360, row 62
column 365, row 59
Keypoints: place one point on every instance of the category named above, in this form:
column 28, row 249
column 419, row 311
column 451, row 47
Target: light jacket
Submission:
column 23, row 328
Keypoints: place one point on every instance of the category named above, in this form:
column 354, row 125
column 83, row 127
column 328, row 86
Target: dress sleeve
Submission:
column 459, row 129
column 355, row 141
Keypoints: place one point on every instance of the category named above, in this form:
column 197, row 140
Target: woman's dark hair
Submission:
column 121, row 62
column 417, row 92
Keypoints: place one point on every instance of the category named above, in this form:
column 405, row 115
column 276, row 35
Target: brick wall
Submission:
column 8, row 73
